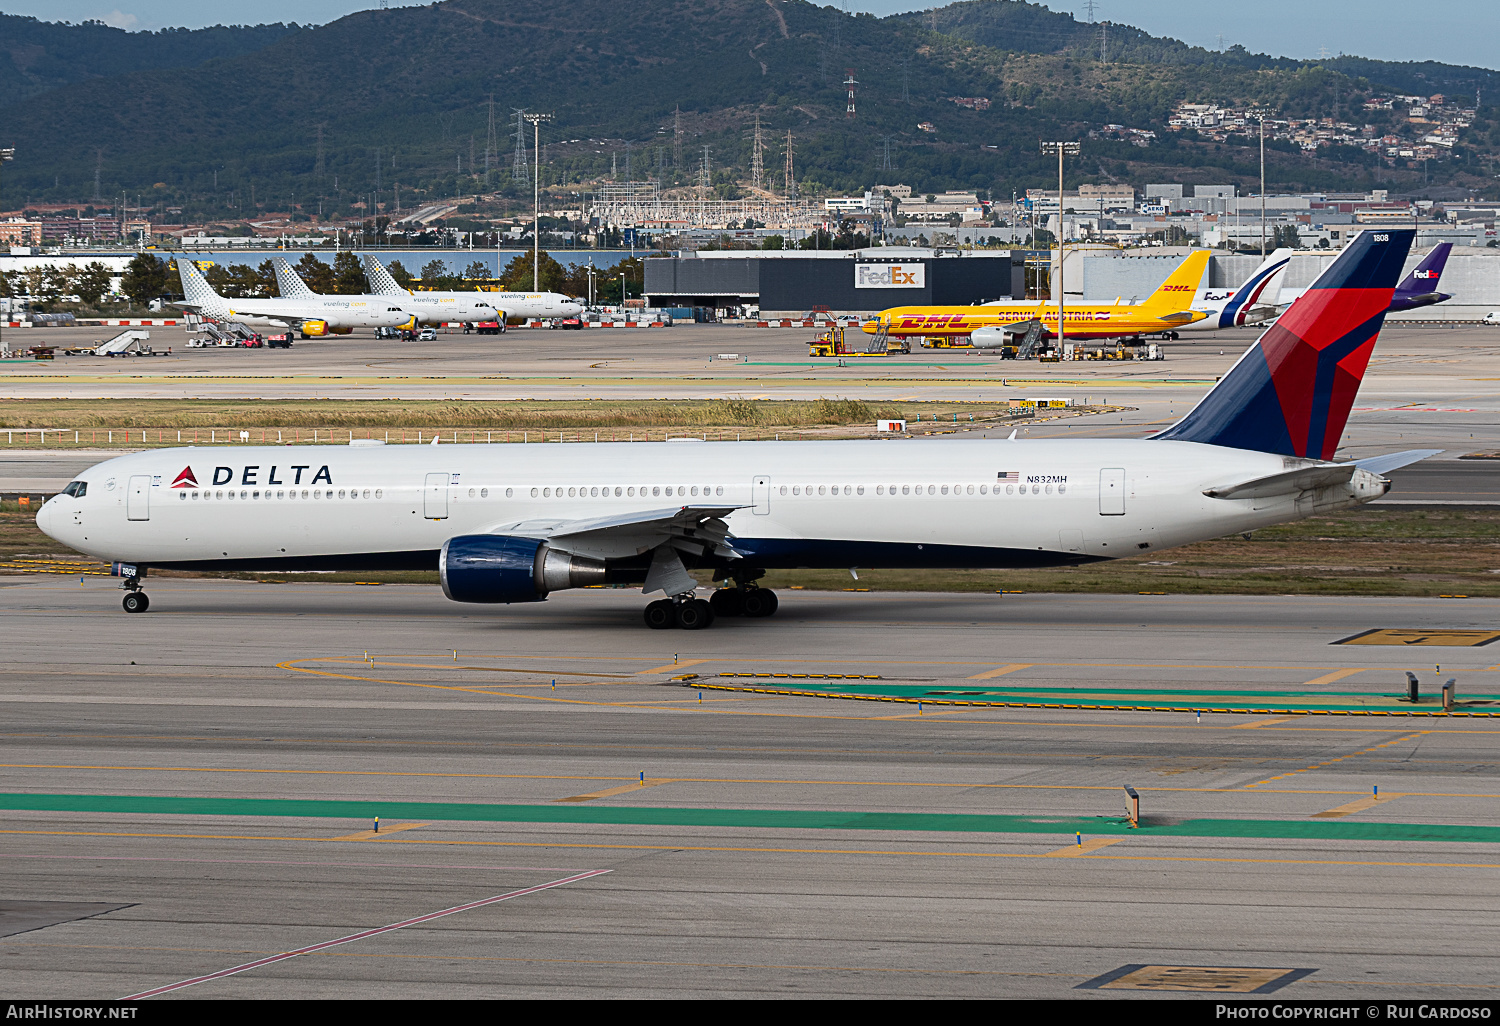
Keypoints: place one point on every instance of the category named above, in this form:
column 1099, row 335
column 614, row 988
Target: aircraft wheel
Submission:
column 760, row 602
column 661, row 615
column 727, row 602
column 136, row 602
column 695, row 615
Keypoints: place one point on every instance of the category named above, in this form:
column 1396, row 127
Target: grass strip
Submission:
column 789, row 819
column 518, row 414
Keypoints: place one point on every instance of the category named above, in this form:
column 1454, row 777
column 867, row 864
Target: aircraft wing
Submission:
column 695, row 529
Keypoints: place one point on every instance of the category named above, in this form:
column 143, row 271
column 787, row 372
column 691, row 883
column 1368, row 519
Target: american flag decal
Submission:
column 1008, row 475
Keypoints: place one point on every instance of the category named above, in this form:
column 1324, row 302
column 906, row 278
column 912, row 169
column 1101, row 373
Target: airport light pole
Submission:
column 536, row 198
column 6, row 156
column 1071, row 149
column 1259, row 113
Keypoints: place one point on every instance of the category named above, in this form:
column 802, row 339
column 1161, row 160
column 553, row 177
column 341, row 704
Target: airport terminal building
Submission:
column 848, row 281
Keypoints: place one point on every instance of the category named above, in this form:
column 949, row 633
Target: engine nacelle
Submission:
column 499, row 568
column 342, row 331
column 314, row 329
column 992, row 338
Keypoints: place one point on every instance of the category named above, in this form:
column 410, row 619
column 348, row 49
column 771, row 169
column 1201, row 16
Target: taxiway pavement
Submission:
column 776, row 846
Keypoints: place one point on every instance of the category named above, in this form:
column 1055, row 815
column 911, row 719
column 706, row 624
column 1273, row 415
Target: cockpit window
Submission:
column 77, row 489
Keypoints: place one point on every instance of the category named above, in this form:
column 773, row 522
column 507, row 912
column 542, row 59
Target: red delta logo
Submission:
column 185, row 479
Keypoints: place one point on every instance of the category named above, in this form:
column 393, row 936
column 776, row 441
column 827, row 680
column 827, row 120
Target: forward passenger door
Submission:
column 435, row 497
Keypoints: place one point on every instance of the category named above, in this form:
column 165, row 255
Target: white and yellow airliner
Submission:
column 312, row 315
column 1167, row 309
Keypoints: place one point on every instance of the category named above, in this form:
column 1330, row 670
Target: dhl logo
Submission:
column 1175, row 288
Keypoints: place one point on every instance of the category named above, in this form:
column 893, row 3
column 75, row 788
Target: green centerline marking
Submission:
column 789, row 819
column 964, row 693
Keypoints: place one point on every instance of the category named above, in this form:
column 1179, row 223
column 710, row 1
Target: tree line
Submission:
column 149, row 277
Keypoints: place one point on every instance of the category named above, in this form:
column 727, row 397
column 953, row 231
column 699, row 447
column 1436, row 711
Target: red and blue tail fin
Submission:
column 1292, row 392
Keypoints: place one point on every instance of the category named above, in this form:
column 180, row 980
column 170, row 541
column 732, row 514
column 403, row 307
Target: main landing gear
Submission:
column 694, row 614
column 135, row 600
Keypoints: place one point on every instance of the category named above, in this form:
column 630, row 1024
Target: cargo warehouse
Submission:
column 854, row 281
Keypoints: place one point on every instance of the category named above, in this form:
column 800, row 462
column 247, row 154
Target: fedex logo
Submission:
column 1423, row 275
column 890, row 276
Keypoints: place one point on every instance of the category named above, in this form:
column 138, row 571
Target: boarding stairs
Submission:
column 123, row 343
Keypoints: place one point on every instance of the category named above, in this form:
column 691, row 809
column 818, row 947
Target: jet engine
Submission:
column 314, row 329
column 992, row 338
column 499, row 568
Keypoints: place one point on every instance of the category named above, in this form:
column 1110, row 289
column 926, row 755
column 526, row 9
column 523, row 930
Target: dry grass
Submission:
column 482, row 414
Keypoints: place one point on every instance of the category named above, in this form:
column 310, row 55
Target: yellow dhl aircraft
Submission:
column 1167, row 308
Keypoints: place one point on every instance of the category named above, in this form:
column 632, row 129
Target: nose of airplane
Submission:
column 44, row 517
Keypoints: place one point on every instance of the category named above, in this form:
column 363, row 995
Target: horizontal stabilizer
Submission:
column 1288, row 482
column 1394, row 460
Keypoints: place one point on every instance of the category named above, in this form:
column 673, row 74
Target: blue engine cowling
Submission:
column 499, row 568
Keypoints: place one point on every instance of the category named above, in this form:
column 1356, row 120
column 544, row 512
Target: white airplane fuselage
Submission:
column 338, row 312
column 442, row 307
column 906, row 503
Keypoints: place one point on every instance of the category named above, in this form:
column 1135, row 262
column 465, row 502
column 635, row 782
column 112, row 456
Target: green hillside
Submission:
column 401, row 97
column 38, row 56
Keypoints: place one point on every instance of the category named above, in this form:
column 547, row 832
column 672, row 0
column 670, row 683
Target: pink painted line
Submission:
column 363, row 934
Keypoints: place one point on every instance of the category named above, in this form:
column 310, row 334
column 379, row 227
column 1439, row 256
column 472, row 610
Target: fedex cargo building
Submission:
column 853, row 281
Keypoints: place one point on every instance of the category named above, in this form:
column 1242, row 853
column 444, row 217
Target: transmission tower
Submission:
column 885, row 155
column 791, row 179
column 849, row 84
column 677, row 137
column 318, row 167
column 491, row 140
column 1089, row 6
column 757, row 157
column 518, row 165
column 705, row 172
column 1104, row 42
column 906, row 80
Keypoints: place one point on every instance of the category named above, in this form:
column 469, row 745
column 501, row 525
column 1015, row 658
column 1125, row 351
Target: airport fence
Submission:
column 153, row 438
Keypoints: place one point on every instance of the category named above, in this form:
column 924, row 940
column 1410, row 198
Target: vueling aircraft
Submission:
column 437, row 307
column 514, row 523
column 312, row 315
column 1167, row 309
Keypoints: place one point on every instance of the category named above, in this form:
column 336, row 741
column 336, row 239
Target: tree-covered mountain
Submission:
column 400, row 100
column 38, row 56
column 1021, row 27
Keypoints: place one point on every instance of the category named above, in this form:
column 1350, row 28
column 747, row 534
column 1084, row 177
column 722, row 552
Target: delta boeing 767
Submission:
column 514, row 523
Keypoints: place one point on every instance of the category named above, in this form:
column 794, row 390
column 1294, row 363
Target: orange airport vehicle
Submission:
column 1167, row 308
